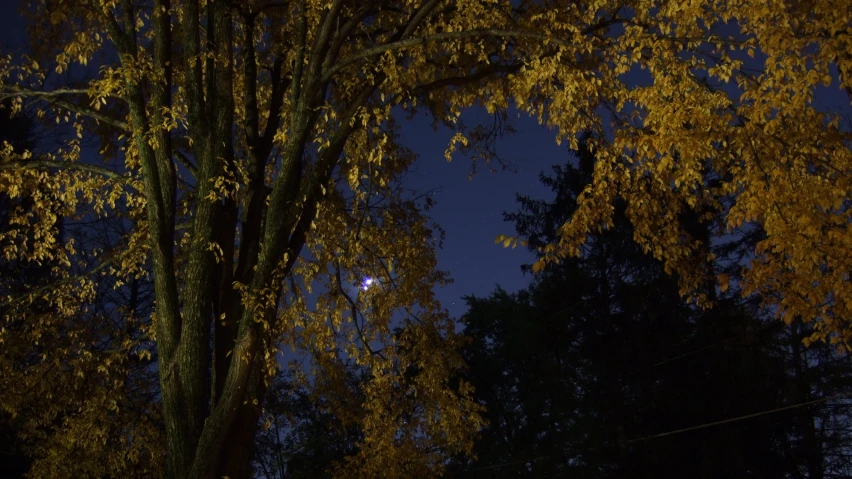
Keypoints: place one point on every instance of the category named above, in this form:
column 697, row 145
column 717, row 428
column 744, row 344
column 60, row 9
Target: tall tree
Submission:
column 251, row 141
column 580, row 372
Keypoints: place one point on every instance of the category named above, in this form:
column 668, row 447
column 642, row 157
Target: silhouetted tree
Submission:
column 582, row 370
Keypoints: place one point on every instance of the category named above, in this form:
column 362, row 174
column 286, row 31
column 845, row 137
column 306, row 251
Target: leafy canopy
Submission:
column 250, row 149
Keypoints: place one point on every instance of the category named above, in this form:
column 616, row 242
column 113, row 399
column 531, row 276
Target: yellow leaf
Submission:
column 724, row 282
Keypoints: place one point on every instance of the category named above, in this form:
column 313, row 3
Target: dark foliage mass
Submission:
column 14, row 276
column 585, row 371
column 302, row 437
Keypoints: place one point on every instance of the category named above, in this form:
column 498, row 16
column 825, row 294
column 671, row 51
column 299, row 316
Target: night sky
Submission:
column 471, row 211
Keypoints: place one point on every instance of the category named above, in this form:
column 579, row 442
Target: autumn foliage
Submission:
column 247, row 155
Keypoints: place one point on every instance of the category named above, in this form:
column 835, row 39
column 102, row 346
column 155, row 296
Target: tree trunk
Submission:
column 811, row 444
column 235, row 460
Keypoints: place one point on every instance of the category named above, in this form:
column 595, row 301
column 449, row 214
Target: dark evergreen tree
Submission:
column 14, row 276
column 584, row 369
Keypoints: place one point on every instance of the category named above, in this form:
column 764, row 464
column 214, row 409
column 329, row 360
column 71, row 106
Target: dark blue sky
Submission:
column 471, row 210
column 11, row 26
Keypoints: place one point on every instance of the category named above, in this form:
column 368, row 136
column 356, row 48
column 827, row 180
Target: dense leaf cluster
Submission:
column 242, row 162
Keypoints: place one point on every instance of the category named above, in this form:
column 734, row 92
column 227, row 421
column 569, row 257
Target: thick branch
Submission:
column 342, row 34
column 191, row 43
column 418, row 18
column 215, row 222
column 162, row 99
column 259, row 152
column 51, row 93
column 160, row 213
column 279, row 86
column 119, row 38
column 250, row 68
column 301, row 48
column 129, row 20
column 185, row 161
column 321, row 43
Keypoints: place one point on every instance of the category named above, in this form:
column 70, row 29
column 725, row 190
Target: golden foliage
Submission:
column 252, row 151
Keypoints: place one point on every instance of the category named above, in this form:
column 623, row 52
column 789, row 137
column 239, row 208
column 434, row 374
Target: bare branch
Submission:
column 56, row 92
column 354, row 312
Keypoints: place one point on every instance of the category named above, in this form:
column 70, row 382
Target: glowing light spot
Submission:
column 368, row 281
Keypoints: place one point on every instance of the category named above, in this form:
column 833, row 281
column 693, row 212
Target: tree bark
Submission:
column 235, row 461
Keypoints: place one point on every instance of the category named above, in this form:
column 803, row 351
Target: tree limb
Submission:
column 53, row 97
column 185, row 161
column 66, row 165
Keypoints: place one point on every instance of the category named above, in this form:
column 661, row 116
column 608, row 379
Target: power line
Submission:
column 768, row 325
column 740, row 418
column 513, row 463
column 676, row 431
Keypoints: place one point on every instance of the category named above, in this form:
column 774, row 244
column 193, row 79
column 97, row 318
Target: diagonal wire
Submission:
column 740, row 418
column 676, row 431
